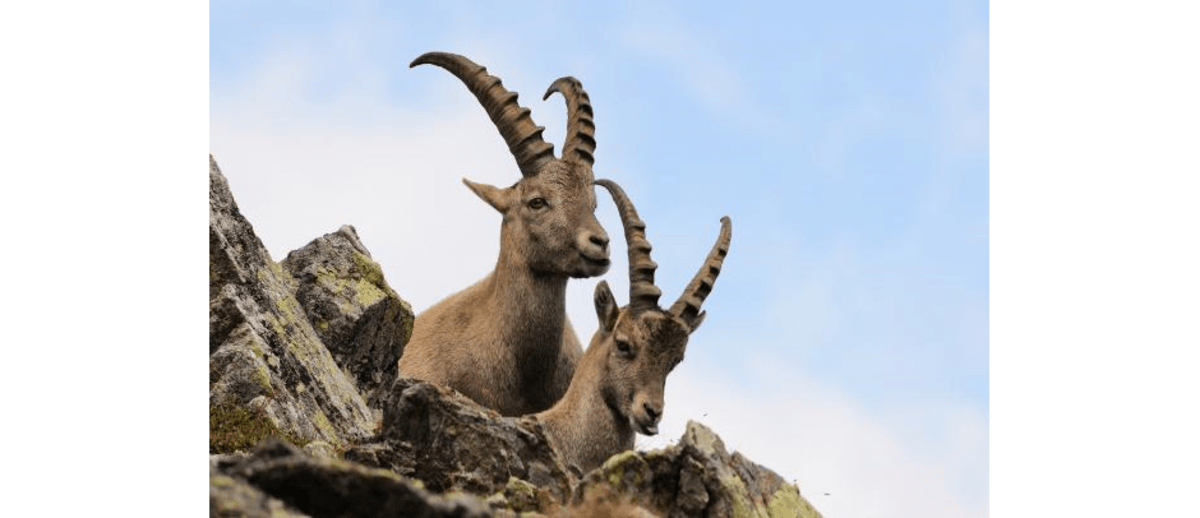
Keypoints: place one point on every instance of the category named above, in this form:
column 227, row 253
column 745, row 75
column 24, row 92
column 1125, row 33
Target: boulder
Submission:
column 695, row 477
column 321, row 487
column 267, row 364
column 362, row 322
column 451, row 443
column 229, row 497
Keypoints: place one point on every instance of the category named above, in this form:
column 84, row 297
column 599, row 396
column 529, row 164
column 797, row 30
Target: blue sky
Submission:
column 848, row 142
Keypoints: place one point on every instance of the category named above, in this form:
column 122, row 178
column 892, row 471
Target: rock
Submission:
column 231, row 497
column 453, row 444
column 290, row 479
column 265, row 358
column 696, row 477
column 298, row 350
column 362, row 322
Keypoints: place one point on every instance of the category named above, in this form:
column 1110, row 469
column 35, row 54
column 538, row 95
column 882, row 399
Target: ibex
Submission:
column 505, row 341
column 618, row 386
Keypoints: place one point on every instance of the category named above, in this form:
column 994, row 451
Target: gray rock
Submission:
column 322, row 487
column 696, row 477
column 453, row 444
column 231, row 497
column 362, row 322
column 263, row 349
column 297, row 351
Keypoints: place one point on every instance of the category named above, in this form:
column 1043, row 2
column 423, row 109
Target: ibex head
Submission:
column 643, row 341
column 549, row 215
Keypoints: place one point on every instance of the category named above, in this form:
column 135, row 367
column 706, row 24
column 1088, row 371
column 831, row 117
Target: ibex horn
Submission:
column 688, row 305
column 523, row 136
column 643, row 294
column 581, row 130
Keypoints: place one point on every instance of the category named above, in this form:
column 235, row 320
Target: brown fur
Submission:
column 617, row 389
column 505, row 341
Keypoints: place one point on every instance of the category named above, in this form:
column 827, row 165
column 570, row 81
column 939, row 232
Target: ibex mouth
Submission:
column 644, row 426
column 602, row 262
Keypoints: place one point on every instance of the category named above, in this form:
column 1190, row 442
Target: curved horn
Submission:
column 581, row 130
column 523, row 136
column 688, row 305
column 643, row 294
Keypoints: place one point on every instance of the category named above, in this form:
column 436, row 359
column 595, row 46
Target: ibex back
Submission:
column 505, row 341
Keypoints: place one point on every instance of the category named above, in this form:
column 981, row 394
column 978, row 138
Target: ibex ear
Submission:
column 696, row 322
column 606, row 307
column 495, row 196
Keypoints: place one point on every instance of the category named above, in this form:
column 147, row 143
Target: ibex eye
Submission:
column 623, row 347
column 537, row 203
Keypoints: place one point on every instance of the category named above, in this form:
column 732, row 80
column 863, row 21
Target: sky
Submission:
column 846, row 345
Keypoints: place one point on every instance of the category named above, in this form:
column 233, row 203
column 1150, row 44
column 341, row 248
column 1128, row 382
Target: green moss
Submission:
column 788, row 502
column 366, row 293
column 263, row 377
column 742, row 507
column 277, row 326
column 369, row 268
column 234, row 428
column 322, row 423
column 625, row 470
column 520, row 488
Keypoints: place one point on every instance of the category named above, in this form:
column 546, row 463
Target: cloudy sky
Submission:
column 847, row 340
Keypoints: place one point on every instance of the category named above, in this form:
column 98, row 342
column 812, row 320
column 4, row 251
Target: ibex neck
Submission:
column 582, row 425
column 530, row 306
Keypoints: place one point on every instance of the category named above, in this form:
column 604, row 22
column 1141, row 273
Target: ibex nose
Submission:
column 600, row 241
column 653, row 411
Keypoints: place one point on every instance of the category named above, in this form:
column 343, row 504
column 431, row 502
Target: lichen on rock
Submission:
column 307, row 416
column 260, row 341
column 360, row 319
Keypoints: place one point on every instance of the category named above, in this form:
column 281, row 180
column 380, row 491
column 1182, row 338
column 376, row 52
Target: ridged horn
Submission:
column 688, row 305
column 523, row 136
column 580, row 143
column 643, row 294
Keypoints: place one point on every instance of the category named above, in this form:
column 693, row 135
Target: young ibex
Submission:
column 618, row 386
column 505, row 341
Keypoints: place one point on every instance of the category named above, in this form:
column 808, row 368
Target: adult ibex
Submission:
column 618, row 387
column 505, row 341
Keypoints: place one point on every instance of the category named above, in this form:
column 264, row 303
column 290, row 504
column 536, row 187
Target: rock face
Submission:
column 329, row 487
column 362, row 322
column 452, row 444
column 696, row 477
column 267, row 363
column 308, row 417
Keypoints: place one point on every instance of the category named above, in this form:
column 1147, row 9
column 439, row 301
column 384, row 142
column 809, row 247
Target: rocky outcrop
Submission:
column 321, row 487
column 267, row 364
column 308, row 417
column 452, row 444
column 362, row 322
column 696, row 477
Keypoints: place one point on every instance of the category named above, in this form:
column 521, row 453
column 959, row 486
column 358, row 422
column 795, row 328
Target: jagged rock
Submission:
column 272, row 375
column 696, row 477
column 362, row 322
column 265, row 358
column 322, row 487
column 231, row 497
column 453, row 444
